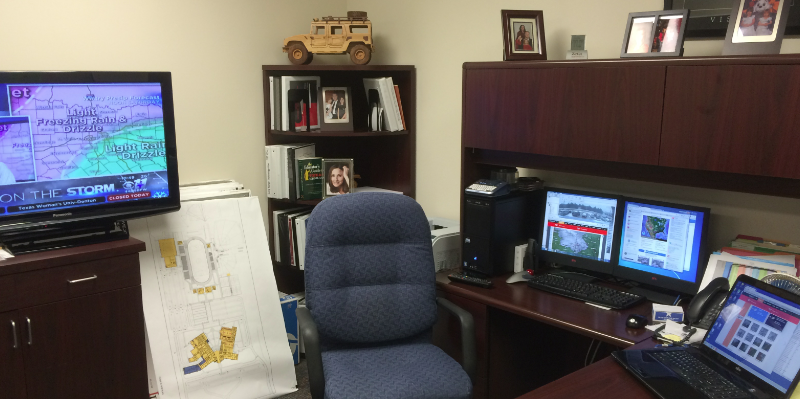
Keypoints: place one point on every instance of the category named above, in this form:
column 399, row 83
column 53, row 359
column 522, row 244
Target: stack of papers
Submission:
column 730, row 265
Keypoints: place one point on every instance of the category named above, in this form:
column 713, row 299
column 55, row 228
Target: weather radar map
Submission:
column 577, row 243
column 88, row 130
column 655, row 227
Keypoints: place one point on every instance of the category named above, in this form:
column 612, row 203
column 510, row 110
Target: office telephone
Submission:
column 489, row 188
column 707, row 304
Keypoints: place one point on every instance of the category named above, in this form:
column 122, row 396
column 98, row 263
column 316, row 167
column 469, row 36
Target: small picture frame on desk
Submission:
column 337, row 109
column 523, row 35
column 654, row 34
column 338, row 176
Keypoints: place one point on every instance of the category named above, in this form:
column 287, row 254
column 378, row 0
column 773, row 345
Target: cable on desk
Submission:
column 586, row 359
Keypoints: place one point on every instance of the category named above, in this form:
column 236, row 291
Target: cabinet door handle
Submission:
column 14, row 334
column 30, row 334
column 82, row 279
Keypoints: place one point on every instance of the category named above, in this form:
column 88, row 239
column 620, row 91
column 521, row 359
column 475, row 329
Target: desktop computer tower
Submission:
column 493, row 226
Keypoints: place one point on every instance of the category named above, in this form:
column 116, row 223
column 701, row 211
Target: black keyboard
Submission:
column 583, row 291
column 461, row 277
column 699, row 376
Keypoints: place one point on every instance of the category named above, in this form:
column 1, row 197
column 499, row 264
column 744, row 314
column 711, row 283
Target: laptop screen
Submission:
column 757, row 331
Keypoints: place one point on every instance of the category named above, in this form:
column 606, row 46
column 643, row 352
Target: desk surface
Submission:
column 569, row 314
column 604, row 379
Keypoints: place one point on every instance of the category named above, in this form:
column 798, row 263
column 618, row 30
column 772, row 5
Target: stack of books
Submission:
column 294, row 103
column 289, row 232
column 386, row 109
column 753, row 256
column 281, row 164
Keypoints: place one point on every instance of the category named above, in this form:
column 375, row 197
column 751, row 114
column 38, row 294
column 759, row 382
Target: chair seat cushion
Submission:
column 410, row 371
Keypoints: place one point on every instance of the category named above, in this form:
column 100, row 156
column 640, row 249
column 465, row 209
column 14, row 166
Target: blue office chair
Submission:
column 371, row 304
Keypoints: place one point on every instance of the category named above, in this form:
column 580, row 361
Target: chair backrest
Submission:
column 369, row 269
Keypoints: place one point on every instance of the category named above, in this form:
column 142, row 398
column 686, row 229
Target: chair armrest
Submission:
column 308, row 330
column 468, row 351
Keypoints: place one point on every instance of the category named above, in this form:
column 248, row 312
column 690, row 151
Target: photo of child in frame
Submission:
column 338, row 176
column 523, row 32
column 335, row 102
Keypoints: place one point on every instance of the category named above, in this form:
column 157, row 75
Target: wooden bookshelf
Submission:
column 382, row 159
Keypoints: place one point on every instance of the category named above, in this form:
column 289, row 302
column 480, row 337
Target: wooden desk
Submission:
column 528, row 338
column 604, row 379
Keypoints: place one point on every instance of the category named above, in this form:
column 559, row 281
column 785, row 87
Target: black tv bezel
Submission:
column 109, row 211
column 665, row 282
column 591, row 265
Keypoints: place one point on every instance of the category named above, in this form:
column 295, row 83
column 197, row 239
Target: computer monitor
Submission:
column 663, row 245
column 577, row 229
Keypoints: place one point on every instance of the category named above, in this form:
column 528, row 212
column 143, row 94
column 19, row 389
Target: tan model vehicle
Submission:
column 333, row 35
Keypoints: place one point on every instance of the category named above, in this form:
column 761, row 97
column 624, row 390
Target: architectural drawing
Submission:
column 211, row 305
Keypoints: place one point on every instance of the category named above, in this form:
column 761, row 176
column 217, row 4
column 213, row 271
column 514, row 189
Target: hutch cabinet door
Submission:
column 12, row 377
column 733, row 118
column 92, row 346
column 606, row 113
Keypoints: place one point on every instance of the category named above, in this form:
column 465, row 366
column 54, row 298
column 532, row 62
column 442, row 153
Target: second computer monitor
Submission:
column 578, row 229
column 663, row 245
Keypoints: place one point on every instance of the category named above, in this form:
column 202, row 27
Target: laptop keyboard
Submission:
column 699, row 376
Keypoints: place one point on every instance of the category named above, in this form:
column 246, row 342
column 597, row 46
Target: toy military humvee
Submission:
column 333, row 35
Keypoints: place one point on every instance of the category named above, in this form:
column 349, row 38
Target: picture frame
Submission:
column 756, row 27
column 709, row 18
column 654, row 34
column 523, row 35
column 336, row 117
column 338, row 176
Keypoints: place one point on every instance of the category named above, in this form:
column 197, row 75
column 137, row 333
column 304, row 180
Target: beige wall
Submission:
column 438, row 36
column 214, row 50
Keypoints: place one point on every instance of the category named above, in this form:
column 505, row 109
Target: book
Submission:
column 377, row 85
column 312, row 85
column 295, row 242
column 273, row 161
column 276, row 236
column 292, row 153
column 765, row 245
column 310, row 178
column 388, row 85
column 300, row 222
column 275, row 102
column 287, row 238
column 400, row 106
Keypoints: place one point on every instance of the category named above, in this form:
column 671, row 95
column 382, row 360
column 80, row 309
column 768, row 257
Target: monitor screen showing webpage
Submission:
column 67, row 146
column 579, row 225
column 757, row 330
column 661, row 240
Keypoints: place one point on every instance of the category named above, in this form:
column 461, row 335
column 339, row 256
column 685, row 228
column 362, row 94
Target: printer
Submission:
column 446, row 237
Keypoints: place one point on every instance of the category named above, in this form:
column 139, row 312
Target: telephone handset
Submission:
column 707, row 304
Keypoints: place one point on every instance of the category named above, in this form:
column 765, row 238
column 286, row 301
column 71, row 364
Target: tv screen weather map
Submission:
column 661, row 240
column 579, row 225
column 71, row 145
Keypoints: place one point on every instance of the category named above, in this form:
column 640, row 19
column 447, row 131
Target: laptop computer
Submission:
column 751, row 351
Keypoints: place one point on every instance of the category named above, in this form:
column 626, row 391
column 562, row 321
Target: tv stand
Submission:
column 63, row 235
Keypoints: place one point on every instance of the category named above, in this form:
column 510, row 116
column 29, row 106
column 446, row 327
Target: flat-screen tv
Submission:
column 81, row 146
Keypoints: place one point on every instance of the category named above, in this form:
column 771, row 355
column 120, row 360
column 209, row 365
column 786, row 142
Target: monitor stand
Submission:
column 655, row 296
column 63, row 235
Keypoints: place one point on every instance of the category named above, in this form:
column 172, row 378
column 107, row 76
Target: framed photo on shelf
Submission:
column 337, row 109
column 756, row 27
column 654, row 34
column 338, row 176
column 523, row 35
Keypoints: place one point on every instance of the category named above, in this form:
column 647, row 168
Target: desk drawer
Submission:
column 8, row 295
column 57, row 284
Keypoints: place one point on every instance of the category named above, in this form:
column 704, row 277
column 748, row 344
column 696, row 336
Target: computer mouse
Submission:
column 636, row 321
column 524, row 275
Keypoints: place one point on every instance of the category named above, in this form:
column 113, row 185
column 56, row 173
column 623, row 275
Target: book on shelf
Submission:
column 275, row 103
column 304, row 108
column 764, row 245
column 388, row 101
column 300, row 232
column 281, row 165
column 291, row 237
column 276, row 230
column 310, row 178
column 400, row 106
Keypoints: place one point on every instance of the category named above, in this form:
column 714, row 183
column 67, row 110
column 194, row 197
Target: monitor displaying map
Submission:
column 579, row 225
column 64, row 146
column 662, row 239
